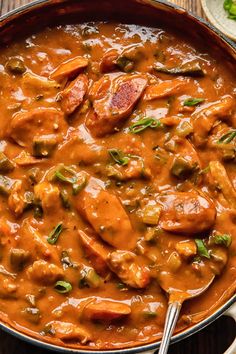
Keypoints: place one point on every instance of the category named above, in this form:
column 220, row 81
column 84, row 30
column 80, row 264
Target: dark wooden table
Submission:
column 213, row 340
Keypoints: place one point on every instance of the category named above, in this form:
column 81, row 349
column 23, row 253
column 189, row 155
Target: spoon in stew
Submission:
column 175, row 288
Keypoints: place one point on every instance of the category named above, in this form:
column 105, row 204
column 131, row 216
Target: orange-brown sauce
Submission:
column 135, row 204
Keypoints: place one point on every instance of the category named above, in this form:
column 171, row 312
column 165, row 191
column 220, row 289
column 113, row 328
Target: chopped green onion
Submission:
column 79, row 184
column 119, row 157
column 143, row 124
column 201, row 248
column 228, row 137
column 190, row 102
column 58, row 175
column 62, row 287
column 224, row 240
column 55, row 233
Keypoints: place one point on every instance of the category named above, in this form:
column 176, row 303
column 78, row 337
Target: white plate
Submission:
column 217, row 15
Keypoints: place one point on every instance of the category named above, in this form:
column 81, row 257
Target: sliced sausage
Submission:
column 165, row 89
column 69, row 69
column 186, row 212
column 115, row 103
column 105, row 310
column 35, row 123
column 73, row 95
column 127, row 267
column 104, row 211
column 96, row 252
column 108, row 62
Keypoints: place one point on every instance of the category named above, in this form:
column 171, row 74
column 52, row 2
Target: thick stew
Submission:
column 117, row 179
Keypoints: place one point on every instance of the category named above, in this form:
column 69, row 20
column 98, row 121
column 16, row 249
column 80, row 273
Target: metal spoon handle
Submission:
column 170, row 322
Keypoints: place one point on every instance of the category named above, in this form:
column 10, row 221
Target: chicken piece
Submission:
column 49, row 195
column 96, row 252
column 186, row 212
column 36, row 244
column 67, row 331
column 104, row 211
column 165, row 89
column 108, row 62
column 79, row 146
column 69, row 69
column 106, row 311
column 220, row 176
column 113, row 102
column 34, row 85
column 44, row 273
column 16, row 200
column 73, row 95
column 204, row 119
column 186, row 249
column 126, row 266
column 25, row 126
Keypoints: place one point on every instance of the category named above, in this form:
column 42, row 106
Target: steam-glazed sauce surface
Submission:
column 117, row 178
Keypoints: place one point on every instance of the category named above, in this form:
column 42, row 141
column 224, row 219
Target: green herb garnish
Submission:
column 223, row 240
column 190, row 102
column 62, row 178
column 143, row 124
column 228, row 137
column 62, row 287
column 119, row 157
column 230, row 7
column 201, row 248
column 55, row 233
column 79, row 184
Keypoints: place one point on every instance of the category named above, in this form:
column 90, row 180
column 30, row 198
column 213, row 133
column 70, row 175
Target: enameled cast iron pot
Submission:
column 40, row 13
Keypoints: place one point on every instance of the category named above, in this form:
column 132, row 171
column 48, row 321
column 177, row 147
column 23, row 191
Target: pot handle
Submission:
column 231, row 312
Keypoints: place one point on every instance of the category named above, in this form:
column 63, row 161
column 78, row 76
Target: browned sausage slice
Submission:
column 73, row 95
column 115, row 103
column 105, row 310
column 186, row 212
column 69, row 69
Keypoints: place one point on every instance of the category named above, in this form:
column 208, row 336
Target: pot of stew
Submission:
column 117, row 173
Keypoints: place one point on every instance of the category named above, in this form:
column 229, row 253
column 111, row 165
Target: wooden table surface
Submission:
column 213, row 340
